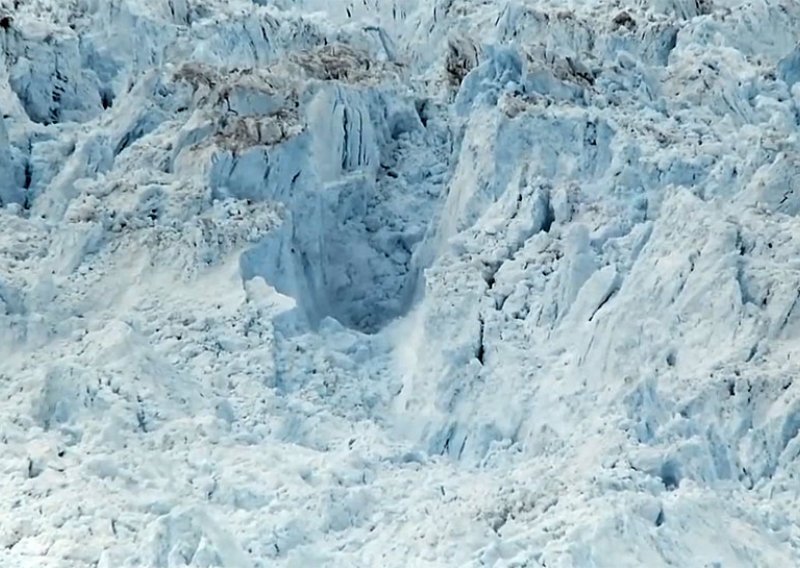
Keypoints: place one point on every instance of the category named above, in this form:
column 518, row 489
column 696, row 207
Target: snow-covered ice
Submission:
column 399, row 283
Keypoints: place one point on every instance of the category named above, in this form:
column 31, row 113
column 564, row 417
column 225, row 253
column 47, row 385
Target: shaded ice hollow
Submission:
column 399, row 283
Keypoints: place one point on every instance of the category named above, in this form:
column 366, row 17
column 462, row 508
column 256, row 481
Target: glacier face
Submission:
column 399, row 283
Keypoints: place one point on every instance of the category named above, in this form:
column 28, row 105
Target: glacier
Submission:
column 399, row 283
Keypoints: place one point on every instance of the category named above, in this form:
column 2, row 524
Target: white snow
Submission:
column 399, row 283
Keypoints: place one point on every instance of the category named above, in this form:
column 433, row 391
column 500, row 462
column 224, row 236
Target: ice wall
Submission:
column 330, row 255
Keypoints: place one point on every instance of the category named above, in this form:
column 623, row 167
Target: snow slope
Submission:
column 399, row 283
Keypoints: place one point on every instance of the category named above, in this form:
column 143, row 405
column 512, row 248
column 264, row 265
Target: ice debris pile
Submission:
column 399, row 283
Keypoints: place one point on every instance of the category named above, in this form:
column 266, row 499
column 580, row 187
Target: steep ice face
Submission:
column 398, row 283
column 329, row 254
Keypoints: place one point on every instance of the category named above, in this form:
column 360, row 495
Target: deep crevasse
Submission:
column 399, row 283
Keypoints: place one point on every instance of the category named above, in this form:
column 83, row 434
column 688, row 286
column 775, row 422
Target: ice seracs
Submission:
column 390, row 283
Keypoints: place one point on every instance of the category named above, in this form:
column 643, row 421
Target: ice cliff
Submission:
column 399, row 283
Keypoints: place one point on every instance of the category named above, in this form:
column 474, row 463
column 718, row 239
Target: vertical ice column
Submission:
column 11, row 190
column 344, row 139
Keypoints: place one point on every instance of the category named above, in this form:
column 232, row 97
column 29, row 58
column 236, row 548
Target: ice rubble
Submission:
column 428, row 283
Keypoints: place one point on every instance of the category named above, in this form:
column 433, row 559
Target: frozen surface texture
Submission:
column 399, row 283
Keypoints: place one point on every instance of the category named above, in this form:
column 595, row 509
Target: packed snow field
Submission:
column 399, row 283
